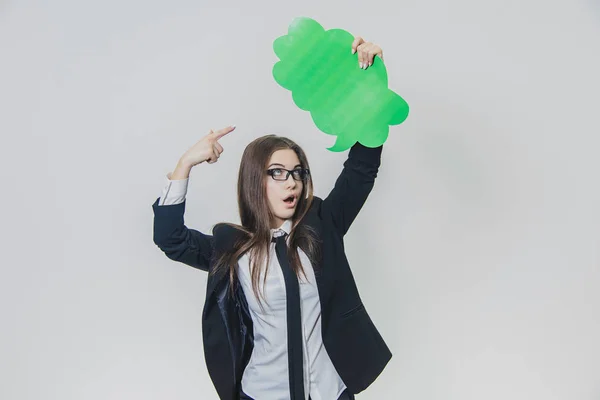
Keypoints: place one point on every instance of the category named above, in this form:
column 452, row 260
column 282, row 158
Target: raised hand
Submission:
column 366, row 52
column 207, row 149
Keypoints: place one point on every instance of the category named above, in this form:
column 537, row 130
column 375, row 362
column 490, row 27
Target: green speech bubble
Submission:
column 325, row 79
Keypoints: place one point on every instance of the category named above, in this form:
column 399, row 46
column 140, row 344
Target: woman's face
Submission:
column 283, row 196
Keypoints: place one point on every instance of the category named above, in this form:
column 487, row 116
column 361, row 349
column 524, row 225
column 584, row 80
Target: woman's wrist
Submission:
column 182, row 170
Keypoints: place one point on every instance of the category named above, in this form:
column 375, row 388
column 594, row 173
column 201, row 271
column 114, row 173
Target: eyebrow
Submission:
column 297, row 165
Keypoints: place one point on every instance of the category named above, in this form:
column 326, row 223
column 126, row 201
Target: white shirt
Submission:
column 266, row 375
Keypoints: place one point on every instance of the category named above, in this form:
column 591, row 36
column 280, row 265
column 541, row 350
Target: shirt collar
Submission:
column 286, row 227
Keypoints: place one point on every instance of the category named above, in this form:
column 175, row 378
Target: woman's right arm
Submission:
column 177, row 241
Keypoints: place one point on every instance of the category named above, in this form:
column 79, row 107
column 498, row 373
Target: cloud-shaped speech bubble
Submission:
column 325, row 79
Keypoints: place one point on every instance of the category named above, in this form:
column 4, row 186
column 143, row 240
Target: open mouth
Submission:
column 290, row 201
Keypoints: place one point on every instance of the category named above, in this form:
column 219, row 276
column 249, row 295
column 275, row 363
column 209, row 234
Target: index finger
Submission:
column 222, row 132
column 357, row 42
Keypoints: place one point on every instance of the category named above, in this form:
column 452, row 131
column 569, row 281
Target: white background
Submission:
column 476, row 255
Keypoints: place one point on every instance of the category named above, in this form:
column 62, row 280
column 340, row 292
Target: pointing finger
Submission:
column 222, row 132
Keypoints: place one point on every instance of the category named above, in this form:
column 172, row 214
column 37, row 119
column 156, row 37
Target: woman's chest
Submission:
column 271, row 285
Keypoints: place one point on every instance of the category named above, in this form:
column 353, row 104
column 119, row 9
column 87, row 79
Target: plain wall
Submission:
column 476, row 255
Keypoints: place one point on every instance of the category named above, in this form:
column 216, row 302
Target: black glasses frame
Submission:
column 270, row 172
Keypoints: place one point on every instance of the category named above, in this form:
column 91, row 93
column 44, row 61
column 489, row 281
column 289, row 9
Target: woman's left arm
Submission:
column 352, row 186
column 357, row 178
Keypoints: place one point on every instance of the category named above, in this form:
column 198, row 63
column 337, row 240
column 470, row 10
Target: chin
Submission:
column 287, row 214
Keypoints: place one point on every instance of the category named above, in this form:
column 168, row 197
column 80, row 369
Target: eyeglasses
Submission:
column 298, row 174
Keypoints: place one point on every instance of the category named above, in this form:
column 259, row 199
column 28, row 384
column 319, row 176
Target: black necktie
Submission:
column 294, row 321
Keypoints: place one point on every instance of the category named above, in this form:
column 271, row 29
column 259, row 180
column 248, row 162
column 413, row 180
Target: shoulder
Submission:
column 315, row 206
column 224, row 229
column 226, row 235
column 316, row 201
column 313, row 215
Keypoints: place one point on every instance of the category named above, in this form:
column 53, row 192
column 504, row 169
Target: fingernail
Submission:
column 353, row 51
column 361, row 65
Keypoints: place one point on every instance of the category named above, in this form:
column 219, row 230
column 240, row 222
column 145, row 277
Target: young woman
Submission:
column 282, row 317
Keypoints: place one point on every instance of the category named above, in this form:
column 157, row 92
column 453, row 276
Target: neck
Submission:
column 277, row 222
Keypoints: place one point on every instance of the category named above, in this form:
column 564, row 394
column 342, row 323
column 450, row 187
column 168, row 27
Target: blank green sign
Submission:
column 324, row 76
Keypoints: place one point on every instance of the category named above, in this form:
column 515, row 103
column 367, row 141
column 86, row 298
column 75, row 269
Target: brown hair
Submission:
column 256, row 215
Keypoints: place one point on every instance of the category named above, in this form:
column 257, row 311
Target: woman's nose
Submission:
column 290, row 181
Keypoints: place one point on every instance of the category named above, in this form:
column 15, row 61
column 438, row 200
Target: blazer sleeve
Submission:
column 352, row 186
column 179, row 242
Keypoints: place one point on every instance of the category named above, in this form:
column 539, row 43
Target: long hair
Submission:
column 256, row 215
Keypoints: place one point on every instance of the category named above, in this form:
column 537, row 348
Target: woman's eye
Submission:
column 277, row 172
column 299, row 173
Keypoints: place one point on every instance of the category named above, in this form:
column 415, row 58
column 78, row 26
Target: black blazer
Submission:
column 352, row 341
